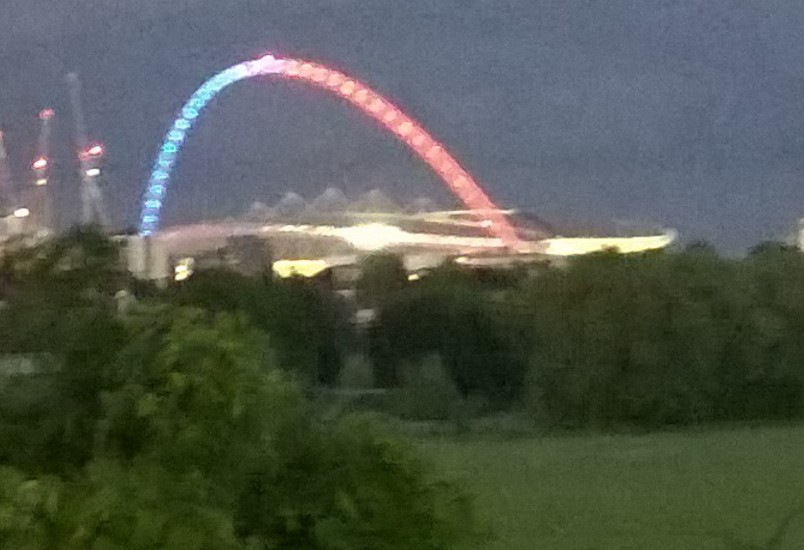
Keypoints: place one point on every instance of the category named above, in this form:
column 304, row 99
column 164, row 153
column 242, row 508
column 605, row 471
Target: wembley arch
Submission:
column 454, row 176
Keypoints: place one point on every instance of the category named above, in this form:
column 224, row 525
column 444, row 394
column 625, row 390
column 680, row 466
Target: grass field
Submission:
column 653, row 492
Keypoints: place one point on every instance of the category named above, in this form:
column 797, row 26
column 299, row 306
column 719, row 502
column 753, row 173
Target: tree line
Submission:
column 610, row 340
column 606, row 341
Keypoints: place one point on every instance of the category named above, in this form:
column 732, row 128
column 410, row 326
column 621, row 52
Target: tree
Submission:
column 111, row 506
column 59, row 315
column 671, row 338
column 172, row 419
column 200, row 442
column 770, row 378
column 771, row 247
column 381, row 274
column 290, row 312
column 79, row 265
column 631, row 339
column 190, row 388
column 449, row 314
column 351, row 487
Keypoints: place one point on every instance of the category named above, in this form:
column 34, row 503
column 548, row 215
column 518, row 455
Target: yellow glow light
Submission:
column 184, row 269
column 623, row 245
column 303, row 268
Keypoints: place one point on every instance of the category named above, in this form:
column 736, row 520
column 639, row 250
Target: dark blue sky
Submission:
column 687, row 113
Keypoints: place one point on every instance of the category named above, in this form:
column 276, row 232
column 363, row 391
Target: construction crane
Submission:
column 41, row 167
column 90, row 156
column 7, row 191
column 12, row 213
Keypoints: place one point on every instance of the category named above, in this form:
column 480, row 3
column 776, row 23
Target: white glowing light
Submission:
column 22, row 213
column 93, row 172
column 184, row 269
column 624, row 245
column 374, row 236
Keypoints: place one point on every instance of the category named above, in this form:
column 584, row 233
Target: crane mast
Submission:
column 13, row 214
column 41, row 167
column 7, row 190
column 89, row 156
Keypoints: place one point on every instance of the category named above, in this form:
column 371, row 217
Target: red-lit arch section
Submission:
column 457, row 179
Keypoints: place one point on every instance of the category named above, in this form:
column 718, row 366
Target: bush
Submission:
column 427, row 393
column 351, row 487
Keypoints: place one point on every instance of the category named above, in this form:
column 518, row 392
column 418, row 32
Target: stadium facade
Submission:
column 297, row 237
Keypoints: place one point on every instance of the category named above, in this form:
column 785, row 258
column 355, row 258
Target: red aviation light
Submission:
column 93, row 151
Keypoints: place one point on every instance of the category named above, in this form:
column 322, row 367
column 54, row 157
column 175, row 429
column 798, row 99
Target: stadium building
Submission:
column 297, row 237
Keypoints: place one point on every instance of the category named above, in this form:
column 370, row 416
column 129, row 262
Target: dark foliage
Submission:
column 171, row 427
column 306, row 325
column 668, row 339
column 448, row 314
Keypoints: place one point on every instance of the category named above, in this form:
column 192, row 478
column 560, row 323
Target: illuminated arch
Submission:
column 370, row 102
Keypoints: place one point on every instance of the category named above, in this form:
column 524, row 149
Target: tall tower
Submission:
column 12, row 214
column 8, row 191
column 89, row 156
column 41, row 194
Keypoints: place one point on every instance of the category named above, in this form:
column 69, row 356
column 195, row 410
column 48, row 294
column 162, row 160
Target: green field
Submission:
column 653, row 492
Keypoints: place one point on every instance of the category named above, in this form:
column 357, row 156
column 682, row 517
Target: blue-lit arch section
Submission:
column 458, row 180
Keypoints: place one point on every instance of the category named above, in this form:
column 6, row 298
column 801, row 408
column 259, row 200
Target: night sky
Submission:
column 683, row 113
